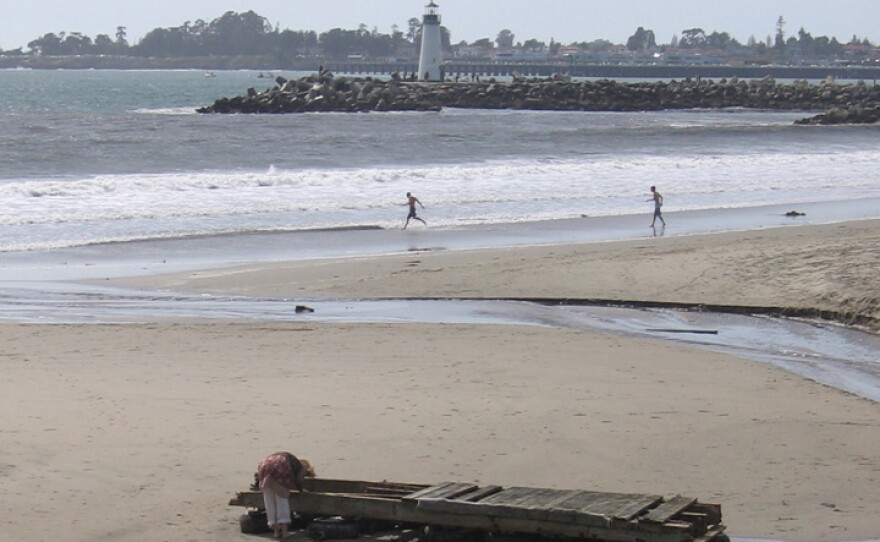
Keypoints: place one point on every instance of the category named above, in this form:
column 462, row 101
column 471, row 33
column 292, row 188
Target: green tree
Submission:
column 505, row 39
column 414, row 27
column 104, row 45
column 397, row 37
column 162, row 42
column 779, row 42
column 533, row 45
column 823, row 46
column 720, row 40
column 76, row 44
column 121, row 37
column 239, row 34
column 296, row 43
column 338, row 43
column 47, row 44
column 806, row 42
column 643, row 40
column 692, row 38
column 598, row 46
column 445, row 39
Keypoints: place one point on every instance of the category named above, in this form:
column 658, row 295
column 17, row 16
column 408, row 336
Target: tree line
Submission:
column 233, row 34
column 249, row 34
column 803, row 44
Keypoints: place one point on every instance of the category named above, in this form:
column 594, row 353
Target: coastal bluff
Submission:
column 849, row 103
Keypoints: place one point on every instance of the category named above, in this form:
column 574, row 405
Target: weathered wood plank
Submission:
column 389, row 491
column 541, row 498
column 518, row 510
column 618, row 505
column 635, row 507
column 526, row 496
column 582, row 500
column 420, row 512
column 522, row 503
column 450, row 492
column 652, row 529
column 608, row 505
column 428, row 490
column 577, row 517
column 563, row 496
column 510, row 495
column 330, row 485
column 676, row 524
column 408, row 488
column 668, row 509
column 697, row 519
column 480, row 493
column 545, row 521
column 534, row 498
column 511, row 511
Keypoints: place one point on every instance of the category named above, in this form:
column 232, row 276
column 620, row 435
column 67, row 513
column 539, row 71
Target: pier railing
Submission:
column 454, row 69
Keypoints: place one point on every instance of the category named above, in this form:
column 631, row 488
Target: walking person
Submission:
column 658, row 203
column 412, row 201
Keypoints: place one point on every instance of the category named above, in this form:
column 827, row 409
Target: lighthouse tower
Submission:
column 432, row 55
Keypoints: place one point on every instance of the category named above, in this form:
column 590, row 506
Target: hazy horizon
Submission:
column 564, row 21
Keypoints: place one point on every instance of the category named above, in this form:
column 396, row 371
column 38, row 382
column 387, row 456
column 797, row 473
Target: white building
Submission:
column 431, row 57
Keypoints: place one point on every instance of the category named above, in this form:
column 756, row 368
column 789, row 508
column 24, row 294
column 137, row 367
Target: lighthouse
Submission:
column 431, row 56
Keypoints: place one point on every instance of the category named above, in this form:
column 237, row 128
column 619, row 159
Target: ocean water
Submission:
column 107, row 156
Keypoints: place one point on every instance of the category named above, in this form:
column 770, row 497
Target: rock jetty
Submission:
column 326, row 92
column 855, row 114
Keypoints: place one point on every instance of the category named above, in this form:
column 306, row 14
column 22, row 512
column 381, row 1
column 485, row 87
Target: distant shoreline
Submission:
column 103, row 62
column 452, row 67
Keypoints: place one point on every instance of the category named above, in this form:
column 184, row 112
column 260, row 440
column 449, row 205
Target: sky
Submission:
column 564, row 21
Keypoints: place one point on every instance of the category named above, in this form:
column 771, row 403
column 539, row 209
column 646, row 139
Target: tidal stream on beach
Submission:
column 830, row 354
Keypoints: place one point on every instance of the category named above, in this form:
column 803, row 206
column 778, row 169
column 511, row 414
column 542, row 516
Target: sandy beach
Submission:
column 144, row 431
column 828, row 267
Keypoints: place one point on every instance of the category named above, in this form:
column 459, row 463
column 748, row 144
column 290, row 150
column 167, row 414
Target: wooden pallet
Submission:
column 613, row 517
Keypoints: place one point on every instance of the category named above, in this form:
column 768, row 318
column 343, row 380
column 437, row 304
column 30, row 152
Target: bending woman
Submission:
column 278, row 474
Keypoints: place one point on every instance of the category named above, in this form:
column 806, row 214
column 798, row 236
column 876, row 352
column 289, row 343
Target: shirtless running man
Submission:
column 411, row 201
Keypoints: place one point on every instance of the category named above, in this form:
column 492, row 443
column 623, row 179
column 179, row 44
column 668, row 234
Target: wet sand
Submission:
column 138, row 258
column 828, row 267
column 144, row 431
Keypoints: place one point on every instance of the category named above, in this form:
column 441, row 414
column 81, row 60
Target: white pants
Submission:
column 277, row 507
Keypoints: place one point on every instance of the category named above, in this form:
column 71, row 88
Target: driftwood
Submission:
column 524, row 511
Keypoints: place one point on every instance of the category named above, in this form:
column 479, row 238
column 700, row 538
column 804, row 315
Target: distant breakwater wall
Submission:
column 325, row 92
column 453, row 68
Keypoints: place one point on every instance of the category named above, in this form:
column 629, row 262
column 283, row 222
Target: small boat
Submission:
column 210, row 74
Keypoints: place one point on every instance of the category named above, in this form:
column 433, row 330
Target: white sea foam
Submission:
column 134, row 206
column 682, row 177
column 169, row 111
